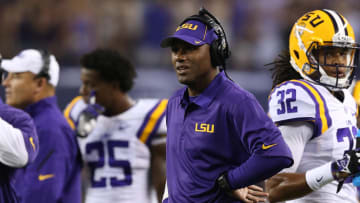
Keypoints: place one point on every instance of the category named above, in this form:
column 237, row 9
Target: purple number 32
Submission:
column 286, row 97
column 346, row 133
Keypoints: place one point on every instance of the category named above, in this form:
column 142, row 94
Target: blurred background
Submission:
column 256, row 30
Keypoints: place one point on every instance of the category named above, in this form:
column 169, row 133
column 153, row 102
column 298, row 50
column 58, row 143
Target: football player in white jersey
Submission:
column 122, row 141
column 315, row 112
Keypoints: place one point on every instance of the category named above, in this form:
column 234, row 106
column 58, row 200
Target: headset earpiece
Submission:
column 45, row 56
column 216, row 57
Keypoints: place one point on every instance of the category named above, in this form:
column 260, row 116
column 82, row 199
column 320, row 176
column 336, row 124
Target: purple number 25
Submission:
column 124, row 164
column 286, row 97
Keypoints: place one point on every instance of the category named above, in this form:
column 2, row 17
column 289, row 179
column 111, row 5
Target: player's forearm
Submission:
column 287, row 186
column 159, row 185
column 158, row 169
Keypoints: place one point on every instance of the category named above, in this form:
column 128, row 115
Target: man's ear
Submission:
column 115, row 85
column 41, row 82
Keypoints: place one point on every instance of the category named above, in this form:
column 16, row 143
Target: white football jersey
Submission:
column 334, row 130
column 118, row 155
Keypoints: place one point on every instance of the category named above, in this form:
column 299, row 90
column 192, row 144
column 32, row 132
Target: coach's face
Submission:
column 192, row 64
column 21, row 89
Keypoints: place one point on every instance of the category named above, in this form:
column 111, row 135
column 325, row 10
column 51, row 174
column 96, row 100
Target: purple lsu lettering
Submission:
column 203, row 127
column 187, row 26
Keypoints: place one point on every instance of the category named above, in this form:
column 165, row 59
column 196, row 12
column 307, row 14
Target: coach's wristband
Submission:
column 223, row 183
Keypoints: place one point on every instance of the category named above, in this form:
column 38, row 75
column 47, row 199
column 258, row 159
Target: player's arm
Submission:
column 157, row 145
column 158, row 168
column 18, row 138
column 289, row 185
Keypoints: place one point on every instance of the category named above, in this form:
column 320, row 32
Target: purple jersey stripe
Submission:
column 328, row 118
column 152, row 122
column 155, row 129
column 320, row 128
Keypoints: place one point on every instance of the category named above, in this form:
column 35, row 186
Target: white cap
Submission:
column 31, row 60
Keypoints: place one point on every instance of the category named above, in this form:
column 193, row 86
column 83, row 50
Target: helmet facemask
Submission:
column 334, row 64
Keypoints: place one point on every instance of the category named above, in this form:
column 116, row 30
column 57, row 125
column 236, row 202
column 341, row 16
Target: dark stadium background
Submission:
column 257, row 31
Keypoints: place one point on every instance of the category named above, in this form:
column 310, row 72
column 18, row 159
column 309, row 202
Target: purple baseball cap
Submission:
column 193, row 32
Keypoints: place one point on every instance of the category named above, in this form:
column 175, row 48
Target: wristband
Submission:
column 320, row 176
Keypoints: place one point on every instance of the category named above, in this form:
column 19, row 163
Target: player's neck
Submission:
column 119, row 105
column 339, row 95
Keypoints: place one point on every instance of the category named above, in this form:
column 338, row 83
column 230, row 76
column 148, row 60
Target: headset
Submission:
column 45, row 57
column 219, row 48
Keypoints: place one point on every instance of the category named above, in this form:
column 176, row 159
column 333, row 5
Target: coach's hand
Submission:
column 250, row 194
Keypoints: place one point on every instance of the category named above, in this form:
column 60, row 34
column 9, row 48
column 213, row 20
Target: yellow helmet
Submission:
column 321, row 30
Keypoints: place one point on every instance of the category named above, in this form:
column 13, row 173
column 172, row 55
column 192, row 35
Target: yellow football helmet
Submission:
column 323, row 30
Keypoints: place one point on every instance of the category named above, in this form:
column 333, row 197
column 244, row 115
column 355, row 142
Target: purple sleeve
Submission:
column 22, row 121
column 256, row 169
column 257, row 132
column 72, row 188
column 56, row 171
column 263, row 140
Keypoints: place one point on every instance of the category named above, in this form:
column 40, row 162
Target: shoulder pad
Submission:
column 152, row 123
column 299, row 100
column 73, row 110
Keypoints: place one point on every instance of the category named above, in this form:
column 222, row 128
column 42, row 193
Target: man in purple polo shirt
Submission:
column 19, row 146
column 219, row 138
column 30, row 85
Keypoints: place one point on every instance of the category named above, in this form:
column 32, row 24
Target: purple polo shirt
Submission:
column 215, row 133
column 54, row 176
column 21, row 120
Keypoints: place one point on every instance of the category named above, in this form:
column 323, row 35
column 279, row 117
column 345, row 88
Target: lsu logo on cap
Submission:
column 187, row 26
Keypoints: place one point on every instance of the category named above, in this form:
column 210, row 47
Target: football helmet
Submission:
column 324, row 31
